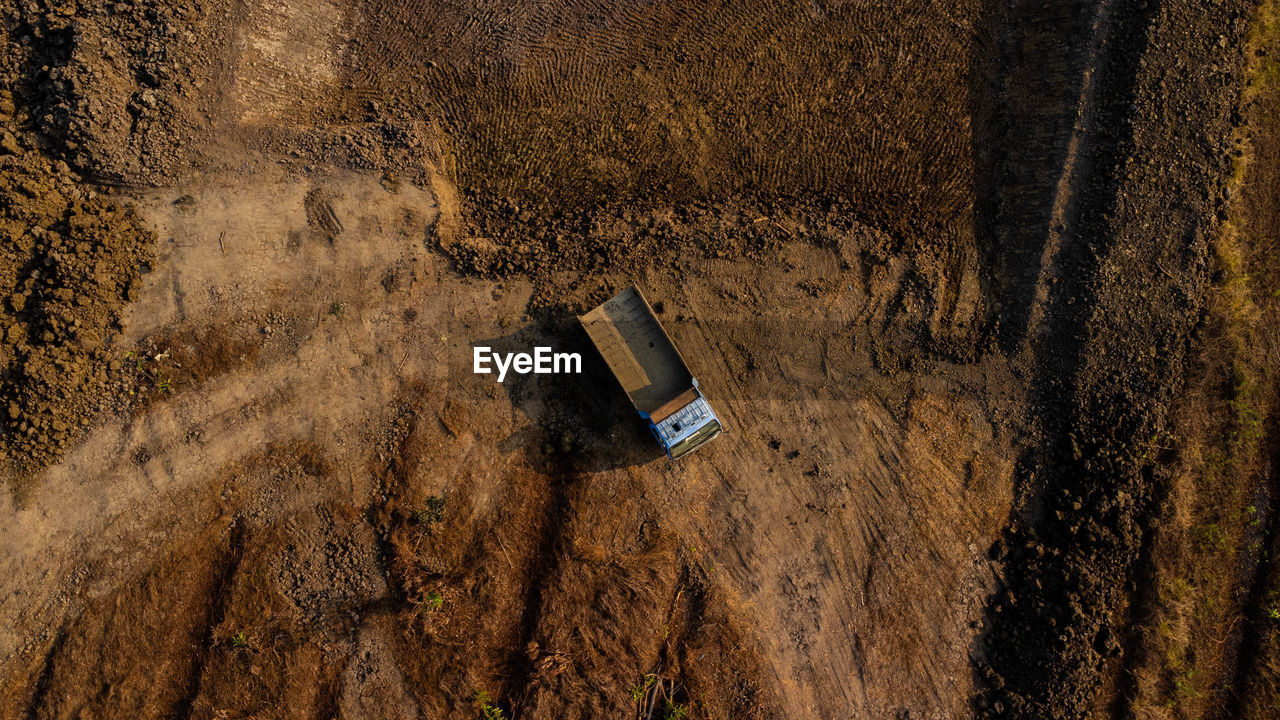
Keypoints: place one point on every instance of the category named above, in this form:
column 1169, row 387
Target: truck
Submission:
column 652, row 372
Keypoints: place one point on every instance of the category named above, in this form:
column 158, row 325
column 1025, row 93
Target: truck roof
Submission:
column 637, row 349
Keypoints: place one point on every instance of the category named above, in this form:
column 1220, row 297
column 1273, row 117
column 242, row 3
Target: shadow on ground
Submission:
column 586, row 415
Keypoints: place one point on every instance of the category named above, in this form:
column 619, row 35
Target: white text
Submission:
column 542, row 362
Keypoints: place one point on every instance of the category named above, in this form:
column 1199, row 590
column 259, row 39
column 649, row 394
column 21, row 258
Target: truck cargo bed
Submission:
column 638, row 350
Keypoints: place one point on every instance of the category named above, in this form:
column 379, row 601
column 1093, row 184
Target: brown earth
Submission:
column 72, row 257
column 944, row 268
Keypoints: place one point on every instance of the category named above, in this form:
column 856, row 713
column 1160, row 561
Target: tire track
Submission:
column 221, row 597
column 45, row 678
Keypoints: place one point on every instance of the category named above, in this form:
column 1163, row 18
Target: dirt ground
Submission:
column 947, row 271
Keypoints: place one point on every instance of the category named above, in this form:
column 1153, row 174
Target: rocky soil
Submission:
column 72, row 259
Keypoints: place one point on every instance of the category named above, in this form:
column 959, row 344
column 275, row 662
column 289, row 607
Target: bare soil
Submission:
column 944, row 269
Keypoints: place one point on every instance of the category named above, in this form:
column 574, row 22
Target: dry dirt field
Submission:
column 987, row 293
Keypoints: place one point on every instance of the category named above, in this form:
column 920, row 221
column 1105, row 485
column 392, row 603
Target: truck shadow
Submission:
column 582, row 419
